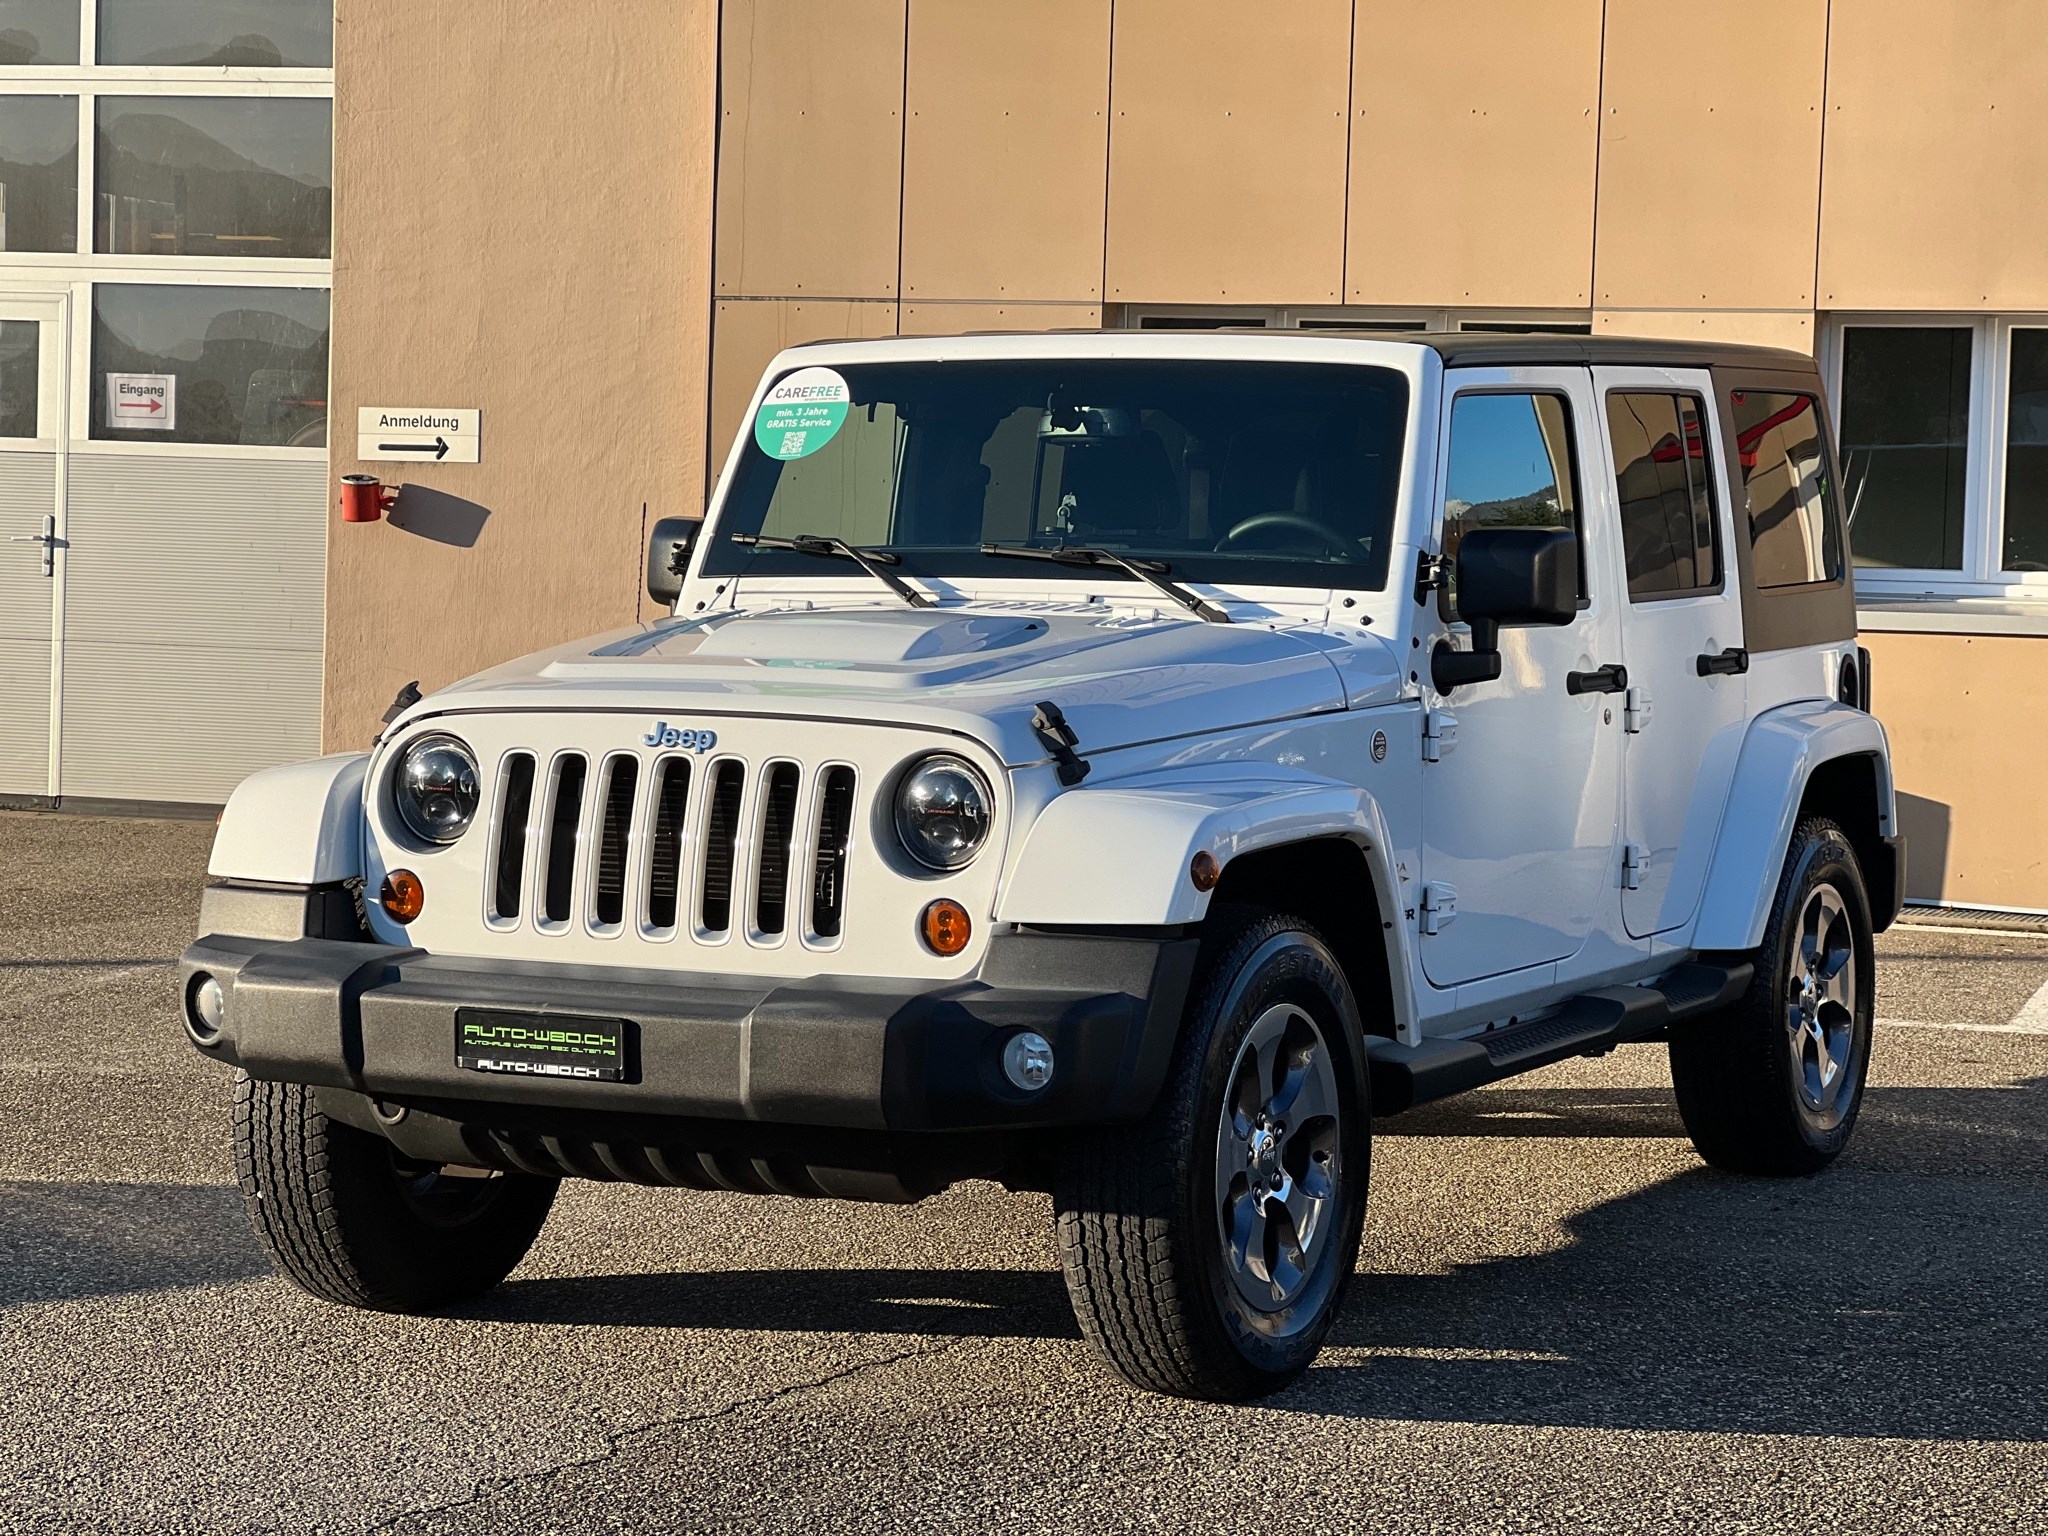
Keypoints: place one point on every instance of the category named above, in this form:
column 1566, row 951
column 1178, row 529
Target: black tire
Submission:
column 344, row 1217
column 1753, row 1082
column 1141, row 1209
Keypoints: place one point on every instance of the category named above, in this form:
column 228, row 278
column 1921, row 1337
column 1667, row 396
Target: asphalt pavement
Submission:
column 1563, row 1323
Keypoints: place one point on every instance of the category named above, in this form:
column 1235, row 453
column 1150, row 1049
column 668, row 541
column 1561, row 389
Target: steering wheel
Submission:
column 1337, row 543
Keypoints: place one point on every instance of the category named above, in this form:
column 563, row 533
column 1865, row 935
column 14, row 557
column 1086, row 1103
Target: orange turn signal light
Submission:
column 1204, row 871
column 946, row 927
column 402, row 896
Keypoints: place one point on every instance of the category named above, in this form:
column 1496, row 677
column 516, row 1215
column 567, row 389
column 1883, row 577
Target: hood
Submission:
column 980, row 671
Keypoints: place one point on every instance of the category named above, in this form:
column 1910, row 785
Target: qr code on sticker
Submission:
column 793, row 444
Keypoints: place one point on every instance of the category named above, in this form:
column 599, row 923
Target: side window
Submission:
column 1794, row 534
column 1510, row 465
column 1661, row 476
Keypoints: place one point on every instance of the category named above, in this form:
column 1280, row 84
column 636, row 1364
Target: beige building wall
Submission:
column 1968, row 741
column 521, row 226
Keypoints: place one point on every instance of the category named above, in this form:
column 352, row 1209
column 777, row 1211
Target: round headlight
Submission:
column 943, row 812
column 435, row 788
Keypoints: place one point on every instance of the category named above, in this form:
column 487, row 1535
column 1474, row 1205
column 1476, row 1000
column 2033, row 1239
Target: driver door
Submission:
column 1520, row 814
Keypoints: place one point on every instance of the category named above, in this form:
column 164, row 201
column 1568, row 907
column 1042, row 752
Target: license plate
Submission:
column 540, row 1044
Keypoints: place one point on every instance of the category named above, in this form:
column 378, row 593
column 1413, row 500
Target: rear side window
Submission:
column 1794, row 536
column 1661, row 475
column 1510, row 466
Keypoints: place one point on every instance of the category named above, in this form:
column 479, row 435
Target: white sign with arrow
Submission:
column 142, row 402
column 413, row 435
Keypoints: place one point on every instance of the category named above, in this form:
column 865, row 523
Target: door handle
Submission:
column 1728, row 663
column 48, row 539
column 1612, row 679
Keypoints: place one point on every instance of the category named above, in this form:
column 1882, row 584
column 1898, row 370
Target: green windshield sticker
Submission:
column 801, row 413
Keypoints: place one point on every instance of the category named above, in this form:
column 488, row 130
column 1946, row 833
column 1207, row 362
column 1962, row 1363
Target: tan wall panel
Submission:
column 1976, row 823
column 1710, row 154
column 524, row 252
column 1792, row 329
column 1005, row 150
column 1227, row 150
column 750, row 331
column 959, row 319
column 1937, row 150
column 810, row 154
column 1474, row 185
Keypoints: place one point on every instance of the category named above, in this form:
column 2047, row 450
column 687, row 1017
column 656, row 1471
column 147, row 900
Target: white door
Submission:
column 1520, row 816
column 33, row 345
column 1669, row 503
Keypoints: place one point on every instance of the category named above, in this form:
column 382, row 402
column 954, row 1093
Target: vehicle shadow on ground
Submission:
column 1872, row 1300
column 62, row 1241
column 948, row 1303
column 1903, row 1292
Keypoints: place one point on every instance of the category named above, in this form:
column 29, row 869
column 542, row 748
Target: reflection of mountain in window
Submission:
column 213, row 177
column 38, row 32
column 251, row 363
column 38, row 173
column 248, row 34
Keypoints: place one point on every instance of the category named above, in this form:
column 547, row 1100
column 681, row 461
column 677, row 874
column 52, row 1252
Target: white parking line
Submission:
column 2033, row 1015
column 1977, row 1029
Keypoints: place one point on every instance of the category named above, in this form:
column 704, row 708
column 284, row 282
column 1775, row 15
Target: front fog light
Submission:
column 1027, row 1061
column 206, row 1009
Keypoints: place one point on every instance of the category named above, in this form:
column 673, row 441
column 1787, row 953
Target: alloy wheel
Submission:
column 1820, row 1008
column 1277, row 1165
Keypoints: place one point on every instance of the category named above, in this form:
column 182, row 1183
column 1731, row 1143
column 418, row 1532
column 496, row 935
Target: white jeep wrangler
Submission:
column 1116, row 764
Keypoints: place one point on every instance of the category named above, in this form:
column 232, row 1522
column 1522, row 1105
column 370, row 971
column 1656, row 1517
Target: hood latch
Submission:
column 1051, row 728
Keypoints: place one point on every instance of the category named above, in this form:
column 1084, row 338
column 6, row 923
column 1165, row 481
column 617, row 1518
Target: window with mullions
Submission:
column 1661, row 472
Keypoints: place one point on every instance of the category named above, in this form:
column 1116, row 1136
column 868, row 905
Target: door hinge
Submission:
column 1635, row 858
column 1439, row 734
column 1439, row 907
column 1635, row 712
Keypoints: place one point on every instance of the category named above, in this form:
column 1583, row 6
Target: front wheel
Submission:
column 1772, row 1085
column 345, row 1217
column 1207, row 1248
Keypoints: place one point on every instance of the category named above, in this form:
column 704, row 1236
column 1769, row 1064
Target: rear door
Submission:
column 1667, row 503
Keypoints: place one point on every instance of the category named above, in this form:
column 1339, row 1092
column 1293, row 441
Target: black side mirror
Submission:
column 668, row 557
column 1506, row 576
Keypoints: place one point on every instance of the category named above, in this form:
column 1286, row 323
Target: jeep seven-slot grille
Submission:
column 616, row 846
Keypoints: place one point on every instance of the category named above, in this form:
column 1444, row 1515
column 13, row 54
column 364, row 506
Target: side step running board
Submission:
column 1406, row 1075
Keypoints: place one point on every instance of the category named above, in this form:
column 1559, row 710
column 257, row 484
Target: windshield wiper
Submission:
column 1153, row 573
column 870, row 560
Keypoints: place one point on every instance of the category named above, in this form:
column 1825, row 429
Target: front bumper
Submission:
column 859, row 1055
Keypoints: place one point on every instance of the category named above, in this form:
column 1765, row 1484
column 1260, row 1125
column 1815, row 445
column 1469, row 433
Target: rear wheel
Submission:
column 1207, row 1248
column 342, row 1215
column 1773, row 1085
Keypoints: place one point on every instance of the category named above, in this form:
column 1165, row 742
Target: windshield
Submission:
column 1253, row 474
